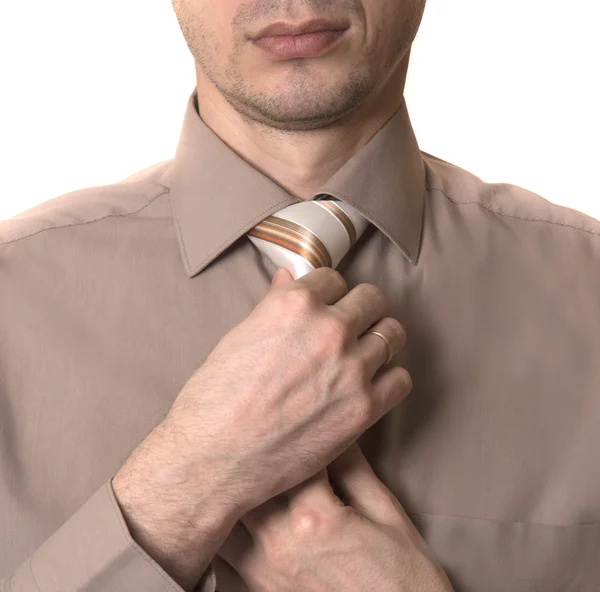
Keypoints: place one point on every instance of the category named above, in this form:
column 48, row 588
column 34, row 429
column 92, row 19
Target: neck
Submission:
column 300, row 161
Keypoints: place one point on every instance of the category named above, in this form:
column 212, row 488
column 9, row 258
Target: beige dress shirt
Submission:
column 111, row 297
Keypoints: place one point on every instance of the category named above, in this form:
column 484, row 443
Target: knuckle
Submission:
column 335, row 330
column 310, row 522
column 374, row 293
column 300, row 299
column 338, row 277
column 306, row 521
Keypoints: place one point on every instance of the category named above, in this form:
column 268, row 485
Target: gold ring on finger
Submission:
column 387, row 343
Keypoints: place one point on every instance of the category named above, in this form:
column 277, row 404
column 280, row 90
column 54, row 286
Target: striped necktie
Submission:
column 309, row 234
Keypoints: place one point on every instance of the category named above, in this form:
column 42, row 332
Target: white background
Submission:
column 94, row 91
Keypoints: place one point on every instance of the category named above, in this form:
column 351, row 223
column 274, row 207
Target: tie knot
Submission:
column 309, row 234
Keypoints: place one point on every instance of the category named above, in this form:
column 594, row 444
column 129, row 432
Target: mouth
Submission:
column 312, row 39
column 285, row 29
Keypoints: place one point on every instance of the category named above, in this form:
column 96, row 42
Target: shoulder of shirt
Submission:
column 464, row 189
column 91, row 204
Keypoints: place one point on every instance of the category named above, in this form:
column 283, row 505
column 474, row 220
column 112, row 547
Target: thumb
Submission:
column 280, row 277
column 354, row 479
column 314, row 492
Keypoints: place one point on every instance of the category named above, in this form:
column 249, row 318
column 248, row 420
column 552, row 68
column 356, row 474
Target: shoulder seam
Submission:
column 166, row 190
column 465, row 203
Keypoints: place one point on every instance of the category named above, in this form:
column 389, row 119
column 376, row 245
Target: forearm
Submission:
column 180, row 527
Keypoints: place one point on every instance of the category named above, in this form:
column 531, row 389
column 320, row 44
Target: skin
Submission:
column 298, row 121
column 341, row 530
column 313, row 541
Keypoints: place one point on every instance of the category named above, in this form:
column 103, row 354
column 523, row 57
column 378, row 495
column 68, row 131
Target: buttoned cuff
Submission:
column 94, row 551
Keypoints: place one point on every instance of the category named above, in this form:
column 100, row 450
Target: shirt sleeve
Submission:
column 94, row 551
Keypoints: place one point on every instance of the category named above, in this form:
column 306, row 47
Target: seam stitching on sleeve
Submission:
column 465, row 203
column 86, row 222
column 33, row 576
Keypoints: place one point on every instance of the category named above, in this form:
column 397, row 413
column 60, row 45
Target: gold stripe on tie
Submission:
column 294, row 238
column 339, row 213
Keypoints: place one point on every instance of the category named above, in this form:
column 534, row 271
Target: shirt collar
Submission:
column 217, row 196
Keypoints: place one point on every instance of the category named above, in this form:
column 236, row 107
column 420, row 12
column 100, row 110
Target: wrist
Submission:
column 181, row 547
column 160, row 486
column 181, row 552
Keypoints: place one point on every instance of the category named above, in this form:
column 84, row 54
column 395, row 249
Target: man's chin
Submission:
column 298, row 100
column 303, row 114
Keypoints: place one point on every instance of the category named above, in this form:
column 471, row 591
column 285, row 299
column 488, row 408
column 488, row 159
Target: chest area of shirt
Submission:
column 500, row 427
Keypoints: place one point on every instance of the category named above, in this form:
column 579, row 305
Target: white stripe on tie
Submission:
column 310, row 234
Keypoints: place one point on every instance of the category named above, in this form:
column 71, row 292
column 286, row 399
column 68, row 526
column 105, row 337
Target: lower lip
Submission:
column 308, row 45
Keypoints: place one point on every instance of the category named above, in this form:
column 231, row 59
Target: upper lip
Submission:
column 291, row 29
